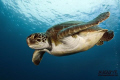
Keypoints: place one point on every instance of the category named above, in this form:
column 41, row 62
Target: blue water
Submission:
column 20, row 18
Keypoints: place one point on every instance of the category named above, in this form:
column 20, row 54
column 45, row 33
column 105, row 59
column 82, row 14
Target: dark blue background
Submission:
column 16, row 56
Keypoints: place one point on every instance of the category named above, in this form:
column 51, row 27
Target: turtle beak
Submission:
column 28, row 41
column 32, row 43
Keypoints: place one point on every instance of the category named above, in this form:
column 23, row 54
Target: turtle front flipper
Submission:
column 37, row 56
column 79, row 27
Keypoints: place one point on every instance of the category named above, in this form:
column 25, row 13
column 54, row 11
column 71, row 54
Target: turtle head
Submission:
column 38, row 41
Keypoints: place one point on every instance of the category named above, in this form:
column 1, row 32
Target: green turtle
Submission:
column 69, row 38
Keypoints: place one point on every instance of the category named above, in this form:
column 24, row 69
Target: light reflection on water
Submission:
column 52, row 12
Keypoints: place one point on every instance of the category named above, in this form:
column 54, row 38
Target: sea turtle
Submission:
column 69, row 38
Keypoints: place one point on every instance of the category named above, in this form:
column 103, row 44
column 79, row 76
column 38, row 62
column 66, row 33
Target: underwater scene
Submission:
column 21, row 18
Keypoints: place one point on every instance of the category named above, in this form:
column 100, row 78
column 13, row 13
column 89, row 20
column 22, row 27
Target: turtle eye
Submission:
column 38, row 40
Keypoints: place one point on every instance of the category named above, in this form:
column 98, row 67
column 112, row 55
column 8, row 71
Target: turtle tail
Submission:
column 106, row 37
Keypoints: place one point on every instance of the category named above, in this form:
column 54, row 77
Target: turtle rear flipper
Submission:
column 79, row 27
column 106, row 37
